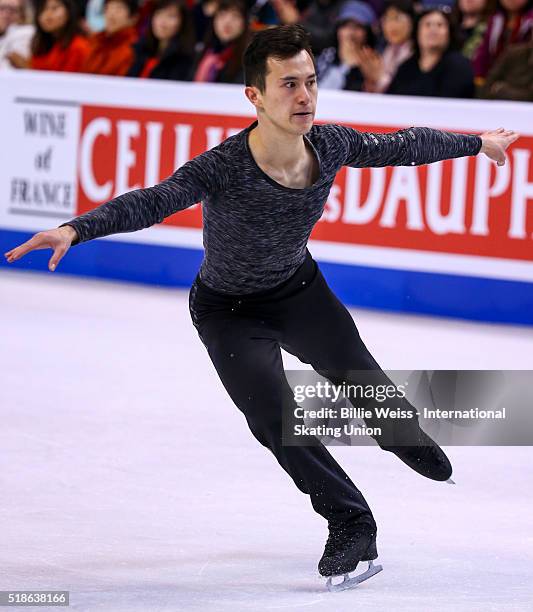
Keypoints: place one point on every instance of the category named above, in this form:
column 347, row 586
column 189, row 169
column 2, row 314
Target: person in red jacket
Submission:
column 111, row 51
column 58, row 43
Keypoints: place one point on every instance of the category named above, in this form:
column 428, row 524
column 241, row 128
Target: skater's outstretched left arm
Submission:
column 419, row 145
column 142, row 208
column 134, row 210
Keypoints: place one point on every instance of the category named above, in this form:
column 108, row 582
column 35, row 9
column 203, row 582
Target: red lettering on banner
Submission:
column 123, row 149
column 464, row 206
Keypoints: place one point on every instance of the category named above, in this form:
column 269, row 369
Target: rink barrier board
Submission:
column 451, row 239
column 443, row 295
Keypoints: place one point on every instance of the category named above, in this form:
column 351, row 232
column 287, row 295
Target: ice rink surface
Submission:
column 131, row 480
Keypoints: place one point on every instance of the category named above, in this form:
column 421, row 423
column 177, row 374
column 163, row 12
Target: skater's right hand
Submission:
column 58, row 239
column 495, row 143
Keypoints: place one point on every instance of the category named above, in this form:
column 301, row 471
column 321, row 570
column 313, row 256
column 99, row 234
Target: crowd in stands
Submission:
column 446, row 48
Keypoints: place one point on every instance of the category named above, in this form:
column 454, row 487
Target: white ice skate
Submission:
column 351, row 582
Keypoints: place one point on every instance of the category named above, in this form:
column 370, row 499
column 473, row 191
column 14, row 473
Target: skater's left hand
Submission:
column 496, row 142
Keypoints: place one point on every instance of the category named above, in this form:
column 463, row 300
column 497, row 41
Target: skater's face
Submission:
column 289, row 98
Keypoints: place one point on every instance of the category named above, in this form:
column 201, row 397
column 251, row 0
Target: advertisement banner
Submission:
column 387, row 236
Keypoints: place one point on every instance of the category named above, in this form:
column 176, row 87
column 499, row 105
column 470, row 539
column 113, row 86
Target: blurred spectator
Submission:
column 58, row 43
column 111, row 50
column 146, row 10
column 267, row 13
column 422, row 6
column 94, row 15
column 286, row 12
column 15, row 33
column 221, row 59
column 340, row 67
column 472, row 16
column 11, row 12
column 511, row 77
column 166, row 51
column 82, row 7
column 511, row 24
column 203, row 12
column 397, row 25
column 320, row 20
column 435, row 69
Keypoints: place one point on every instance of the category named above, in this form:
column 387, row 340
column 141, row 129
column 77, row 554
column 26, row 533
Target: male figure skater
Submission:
column 258, row 288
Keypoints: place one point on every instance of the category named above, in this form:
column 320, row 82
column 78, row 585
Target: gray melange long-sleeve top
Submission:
column 255, row 229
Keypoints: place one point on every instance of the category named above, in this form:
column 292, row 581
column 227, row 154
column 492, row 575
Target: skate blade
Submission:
column 350, row 583
column 450, row 481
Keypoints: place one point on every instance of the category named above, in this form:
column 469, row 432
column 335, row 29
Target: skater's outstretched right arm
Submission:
column 418, row 145
column 134, row 210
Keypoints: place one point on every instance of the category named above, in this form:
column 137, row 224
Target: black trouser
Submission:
column 243, row 336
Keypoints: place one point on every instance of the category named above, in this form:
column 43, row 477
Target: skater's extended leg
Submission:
column 318, row 329
column 242, row 338
column 250, row 367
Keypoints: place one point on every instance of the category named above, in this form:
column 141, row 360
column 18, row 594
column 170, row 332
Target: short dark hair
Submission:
column 132, row 5
column 281, row 42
